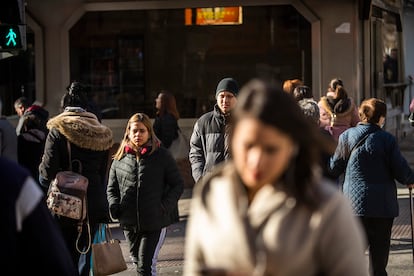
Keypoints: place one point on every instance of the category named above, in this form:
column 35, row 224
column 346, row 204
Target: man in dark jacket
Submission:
column 208, row 143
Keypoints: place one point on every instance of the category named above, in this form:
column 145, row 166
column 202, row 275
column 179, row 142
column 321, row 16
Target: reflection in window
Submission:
column 128, row 57
column 390, row 38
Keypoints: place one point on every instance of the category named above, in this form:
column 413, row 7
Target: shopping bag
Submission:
column 411, row 118
column 180, row 147
column 107, row 255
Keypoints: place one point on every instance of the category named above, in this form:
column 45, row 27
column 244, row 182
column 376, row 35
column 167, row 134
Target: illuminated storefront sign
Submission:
column 214, row 16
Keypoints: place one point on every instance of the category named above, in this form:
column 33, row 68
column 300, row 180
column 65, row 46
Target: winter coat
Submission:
column 8, row 140
column 208, row 143
column 30, row 147
column 29, row 232
column 90, row 142
column 273, row 235
column 336, row 119
column 144, row 193
column 371, row 171
column 166, row 127
column 32, row 138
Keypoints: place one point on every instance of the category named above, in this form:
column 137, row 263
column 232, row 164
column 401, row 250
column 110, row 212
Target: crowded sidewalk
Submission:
column 401, row 258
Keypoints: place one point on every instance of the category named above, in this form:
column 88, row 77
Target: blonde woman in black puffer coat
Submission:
column 144, row 187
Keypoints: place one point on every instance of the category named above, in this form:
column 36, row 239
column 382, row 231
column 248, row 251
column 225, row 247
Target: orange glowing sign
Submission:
column 214, row 16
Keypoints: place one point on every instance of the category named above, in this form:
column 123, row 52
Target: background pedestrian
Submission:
column 20, row 106
column 89, row 143
column 32, row 138
column 209, row 140
column 8, row 138
column 372, row 161
column 338, row 112
column 166, row 119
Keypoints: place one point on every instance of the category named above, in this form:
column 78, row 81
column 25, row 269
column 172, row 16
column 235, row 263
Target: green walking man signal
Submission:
column 11, row 37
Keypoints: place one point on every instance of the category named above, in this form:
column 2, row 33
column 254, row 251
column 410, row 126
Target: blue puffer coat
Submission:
column 372, row 170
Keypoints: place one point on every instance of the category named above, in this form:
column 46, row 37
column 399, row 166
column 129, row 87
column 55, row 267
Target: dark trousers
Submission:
column 378, row 234
column 144, row 247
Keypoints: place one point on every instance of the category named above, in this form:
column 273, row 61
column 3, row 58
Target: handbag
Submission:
column 107, row 255
column 411, row 118
column 180, row 146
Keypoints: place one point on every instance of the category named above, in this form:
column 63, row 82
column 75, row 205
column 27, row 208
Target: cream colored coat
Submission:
column 271, row 236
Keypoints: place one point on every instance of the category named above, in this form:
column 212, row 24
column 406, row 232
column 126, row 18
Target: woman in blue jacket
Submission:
column 143, row 191
column 372, row 161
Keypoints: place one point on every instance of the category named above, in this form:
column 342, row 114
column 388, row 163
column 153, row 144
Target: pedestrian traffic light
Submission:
column 12, row 25
column 12, row 37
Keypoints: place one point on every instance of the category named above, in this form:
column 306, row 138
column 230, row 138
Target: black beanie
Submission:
column 229, row 85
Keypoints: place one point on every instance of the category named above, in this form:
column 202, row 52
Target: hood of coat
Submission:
column 83, row 129
column 324, row 103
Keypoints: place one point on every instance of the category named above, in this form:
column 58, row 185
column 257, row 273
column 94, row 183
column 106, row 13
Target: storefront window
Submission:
column 127, row 57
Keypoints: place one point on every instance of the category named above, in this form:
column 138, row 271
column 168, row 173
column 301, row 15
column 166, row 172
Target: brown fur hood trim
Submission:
column 83, row 129
column 325, row 105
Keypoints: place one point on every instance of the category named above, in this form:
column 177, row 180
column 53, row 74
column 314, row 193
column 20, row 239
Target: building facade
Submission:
column 127, row 51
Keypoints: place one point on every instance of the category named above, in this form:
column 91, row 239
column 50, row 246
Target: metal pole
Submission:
column 411, row 218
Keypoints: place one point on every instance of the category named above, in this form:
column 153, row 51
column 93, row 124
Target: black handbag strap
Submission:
column 81, row 222
column 70, row 159
column 69, row 154
column 360, row 142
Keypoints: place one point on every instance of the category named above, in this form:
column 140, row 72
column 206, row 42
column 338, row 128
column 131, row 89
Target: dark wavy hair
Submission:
column 76, row 95
column 271, row 106
column 302, row 92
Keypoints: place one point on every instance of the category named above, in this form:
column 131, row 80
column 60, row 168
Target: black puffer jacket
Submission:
column 208, row 142
column 90, row 142
column 145, row 192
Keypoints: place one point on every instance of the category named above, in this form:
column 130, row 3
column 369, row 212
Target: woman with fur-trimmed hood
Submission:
column 337, row 111
column 89, row 143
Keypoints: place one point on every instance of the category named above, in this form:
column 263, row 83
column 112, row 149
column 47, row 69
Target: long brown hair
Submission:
column 143, row 118
column 168, row 105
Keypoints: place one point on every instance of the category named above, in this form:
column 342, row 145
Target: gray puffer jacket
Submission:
column 208, row 143
column 144, row 193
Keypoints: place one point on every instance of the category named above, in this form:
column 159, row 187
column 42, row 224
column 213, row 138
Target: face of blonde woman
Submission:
column 261, row 153
column 138, row 134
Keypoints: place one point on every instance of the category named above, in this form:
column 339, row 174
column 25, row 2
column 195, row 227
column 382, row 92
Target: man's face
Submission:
column 226, row 101
column 19, row 110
